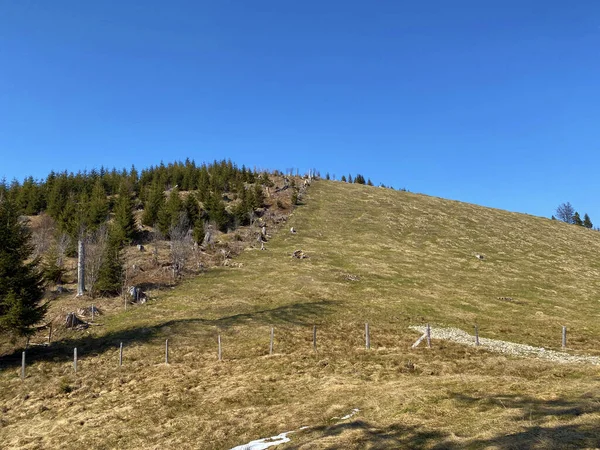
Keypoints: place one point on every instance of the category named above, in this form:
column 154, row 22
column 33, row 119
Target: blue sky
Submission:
column 490, row 102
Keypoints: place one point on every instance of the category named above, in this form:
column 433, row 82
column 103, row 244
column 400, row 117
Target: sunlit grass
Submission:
column 389, row 258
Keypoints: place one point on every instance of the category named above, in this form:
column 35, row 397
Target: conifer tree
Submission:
column 259, row 196
column 21, row 288
column 577, row 220
column 154, row 203
column 587, row 222
column 110, row 274
column 125, row 225
column 98, row 205
column 174, row 205
column 192, row 208
column 217, row 212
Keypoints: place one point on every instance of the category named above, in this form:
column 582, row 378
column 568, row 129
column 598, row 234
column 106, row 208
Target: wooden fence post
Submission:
column 167, row 351
column 219, row 341
column 92, row 312
column 271, row 345
column 23, row 366
column 75, row 359
column 315, row 338
column 121, row 354
column 428, row 336
column 367, row 337
column 476, row 335
column 564, row 337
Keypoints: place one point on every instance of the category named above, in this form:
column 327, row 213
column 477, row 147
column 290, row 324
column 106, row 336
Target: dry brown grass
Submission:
column 412, row 260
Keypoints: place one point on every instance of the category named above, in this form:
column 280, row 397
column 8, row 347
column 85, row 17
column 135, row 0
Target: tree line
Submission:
column 96, row 210
column 567, row 213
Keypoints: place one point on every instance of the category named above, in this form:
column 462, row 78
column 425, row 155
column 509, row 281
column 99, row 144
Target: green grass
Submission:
column 414, row 257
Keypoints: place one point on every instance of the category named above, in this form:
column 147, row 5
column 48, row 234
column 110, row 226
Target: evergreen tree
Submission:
column 110, row 274
column 52, row 268
column 359, row 179
column 343, row 178
column 369, row 182
column 153, row 205
column 259, row 196
column 350, row 178
column 587, row 221
column 21, row 285
column 174, row 205
column 98, row 205
column 217, row 212
column 577, row 220
column 192, row 209
column 125, row 225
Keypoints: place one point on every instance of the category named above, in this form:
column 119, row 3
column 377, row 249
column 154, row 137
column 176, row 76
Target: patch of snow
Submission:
column 348, row 416
column 261, row 444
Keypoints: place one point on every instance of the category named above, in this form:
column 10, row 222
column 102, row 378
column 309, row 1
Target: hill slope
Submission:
column 392, row 259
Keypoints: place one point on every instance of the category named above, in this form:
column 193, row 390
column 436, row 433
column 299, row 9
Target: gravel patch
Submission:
column 511, row 348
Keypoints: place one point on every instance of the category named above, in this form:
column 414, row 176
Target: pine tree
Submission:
column 587, row 221
column 343, row 178
column 110, row 274
column 21, row 285
column 125, row 224
column 577, row 220
column 199, row 231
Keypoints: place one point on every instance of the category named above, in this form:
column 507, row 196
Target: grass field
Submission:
column 389, row 258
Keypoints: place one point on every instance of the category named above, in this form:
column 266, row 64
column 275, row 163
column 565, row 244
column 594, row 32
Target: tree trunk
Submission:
column 80, row 268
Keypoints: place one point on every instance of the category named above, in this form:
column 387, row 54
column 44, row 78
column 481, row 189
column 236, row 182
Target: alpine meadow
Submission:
column 310, row 327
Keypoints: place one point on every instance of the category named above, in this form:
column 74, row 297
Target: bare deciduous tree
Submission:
column 94, row 245
column 565, row 212
column 181, row 243
column 42, row 235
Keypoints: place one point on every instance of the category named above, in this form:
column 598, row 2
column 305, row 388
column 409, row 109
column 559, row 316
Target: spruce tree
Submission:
column 154, row 203
column 124, row 220
column 199, row 231
column 110, row 274
column 587, row 222
column 21, row 285
column 98, row 205
column 577, row 220
column 174, row 206
column 192, row 208
column 217, row 212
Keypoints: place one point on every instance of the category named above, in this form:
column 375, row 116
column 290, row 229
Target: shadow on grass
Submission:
column 298, row 314
column 539, row 428
column 534, row 415
column 361, row 434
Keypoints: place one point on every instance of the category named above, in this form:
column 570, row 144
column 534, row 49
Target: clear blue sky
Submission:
column 489, row 102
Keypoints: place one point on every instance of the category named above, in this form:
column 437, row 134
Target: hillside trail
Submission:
column 512, row 348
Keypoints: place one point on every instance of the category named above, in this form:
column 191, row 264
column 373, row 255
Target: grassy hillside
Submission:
column 389, row 258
